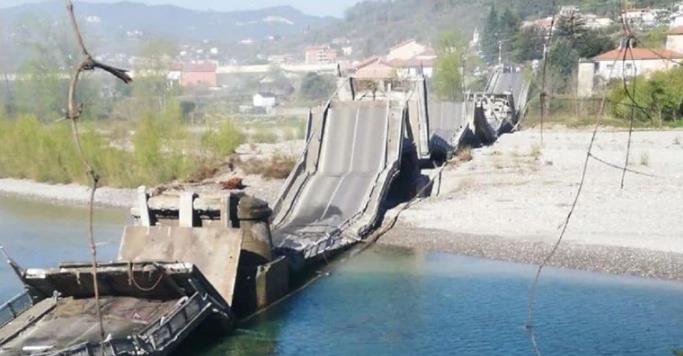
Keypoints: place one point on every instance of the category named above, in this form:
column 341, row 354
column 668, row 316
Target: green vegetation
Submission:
column 223, row 141
column 499, row 34
column 654, row 38
column 658, row 99
column 147, row 133
column 448, row 73
column 161, row 151
column 315, row 87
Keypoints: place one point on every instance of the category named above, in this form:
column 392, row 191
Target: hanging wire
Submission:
column 589, row 154
column 546, row 53
column 633, row 107
column 74, row 111
column 630, row 170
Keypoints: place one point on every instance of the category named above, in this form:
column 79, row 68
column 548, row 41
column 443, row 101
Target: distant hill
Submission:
column 118, row 20
column 373, row 26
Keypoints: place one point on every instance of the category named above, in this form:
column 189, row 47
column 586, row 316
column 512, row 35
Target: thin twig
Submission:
column 74, row 111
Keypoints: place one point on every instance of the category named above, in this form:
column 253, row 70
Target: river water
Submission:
column 393, row 301
column 36, row 234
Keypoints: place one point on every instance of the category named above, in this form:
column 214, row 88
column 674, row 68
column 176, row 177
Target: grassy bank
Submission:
column 574, row 113
column 154, row 150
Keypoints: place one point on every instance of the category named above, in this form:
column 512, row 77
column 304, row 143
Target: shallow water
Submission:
column 37, row 234
column 388, row 302
column 393, row 301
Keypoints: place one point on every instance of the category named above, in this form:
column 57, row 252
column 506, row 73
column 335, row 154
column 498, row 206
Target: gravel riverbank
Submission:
column 510, row 201
column 67, row 193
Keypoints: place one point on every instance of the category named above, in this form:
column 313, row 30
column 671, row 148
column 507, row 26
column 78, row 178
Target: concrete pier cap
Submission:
column 254, row 216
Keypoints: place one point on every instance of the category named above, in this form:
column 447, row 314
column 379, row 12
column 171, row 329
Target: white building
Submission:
column 612, row 66
column 619, row 63
column 474, row 43
column 647, row 17
column 677, row 20
column 594, row 22
column 674, row 40
column 264, row 101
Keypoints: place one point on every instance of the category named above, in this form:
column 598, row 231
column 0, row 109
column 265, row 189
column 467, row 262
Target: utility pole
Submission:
column 500, row 52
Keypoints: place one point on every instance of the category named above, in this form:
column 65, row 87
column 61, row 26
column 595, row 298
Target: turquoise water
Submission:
column 36, row 234
column 398, row 302
column 394, row 302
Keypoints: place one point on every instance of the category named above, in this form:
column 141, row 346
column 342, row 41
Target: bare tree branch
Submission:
column 74, row 111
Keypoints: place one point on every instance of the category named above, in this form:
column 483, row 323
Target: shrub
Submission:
column 223, row 141
column 264, row 135
column 657, row 98
column 160, row 150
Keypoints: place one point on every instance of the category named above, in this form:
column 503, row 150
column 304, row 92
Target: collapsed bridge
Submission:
column 198, row 258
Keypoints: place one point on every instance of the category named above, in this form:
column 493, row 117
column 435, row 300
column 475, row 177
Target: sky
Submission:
column 312, row 7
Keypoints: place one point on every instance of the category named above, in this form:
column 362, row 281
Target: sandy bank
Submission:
column 67, row 193
column 510, row 201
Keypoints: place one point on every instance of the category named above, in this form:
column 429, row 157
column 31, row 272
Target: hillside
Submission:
column 115, row 19
column 370, row 27
column 374, row 26
column 125, row 27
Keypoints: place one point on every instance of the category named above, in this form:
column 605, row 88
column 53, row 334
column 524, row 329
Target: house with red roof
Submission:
column 629, row 62
column 375, row 68
column 635, row 61
column 408, row 59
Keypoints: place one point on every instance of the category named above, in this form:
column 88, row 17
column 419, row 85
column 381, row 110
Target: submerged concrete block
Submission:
column 272, row 282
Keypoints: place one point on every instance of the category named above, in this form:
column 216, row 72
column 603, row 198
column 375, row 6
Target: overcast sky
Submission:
column 313, row 7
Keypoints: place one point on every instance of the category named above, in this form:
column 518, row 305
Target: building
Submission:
column 674, row 39
column 611, row 66
column 264, row 101
column 175, row 75
column 647, row 17
column 406, row 50
column 677, row 20
column 595, row 22
column 474, row 43
column 545, row 23
column 199, row 74
column 280, row 59
column 409, row 59
column 316, row 55
column 420, row 64
column 568, row 11
column 375, row 68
